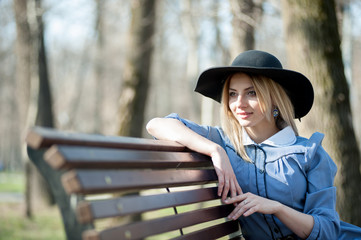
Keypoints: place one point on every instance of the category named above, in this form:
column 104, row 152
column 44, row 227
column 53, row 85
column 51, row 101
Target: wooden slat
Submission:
column 90, row 235
column 40, row 137
column 89, row 211
column 143, row 229
column 63, row 157
column 212, row 232
column 102, row 181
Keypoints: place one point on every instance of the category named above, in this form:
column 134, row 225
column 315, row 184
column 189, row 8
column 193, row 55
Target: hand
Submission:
column 250, row 203
column 227, row 181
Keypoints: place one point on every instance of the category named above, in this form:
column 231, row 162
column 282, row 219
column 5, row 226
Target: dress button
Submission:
column 275, row 230
column 261, row 171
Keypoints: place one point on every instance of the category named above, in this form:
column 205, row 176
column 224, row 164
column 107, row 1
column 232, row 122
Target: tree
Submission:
column 313, row 47
column 10, row 147
column 243, row 25
column 99, row 66
column 32, row 73
column 137, row 70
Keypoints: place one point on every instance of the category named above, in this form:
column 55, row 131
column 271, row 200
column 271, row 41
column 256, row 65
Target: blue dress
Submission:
column 292, row 170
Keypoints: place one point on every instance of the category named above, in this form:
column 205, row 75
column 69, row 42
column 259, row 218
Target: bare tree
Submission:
column 243, row 24
column 99, row 66
column 137, row 71
column 190, row 23
column 313, row 46
column 10, row 147
column 35, row 107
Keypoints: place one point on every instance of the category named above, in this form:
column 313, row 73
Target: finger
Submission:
column 225, row 190
column 233, row 191
column 238, row 198
column 220, row 183
column 250, row 211
column 234, row 212
column 239, row 189
column 237, row 212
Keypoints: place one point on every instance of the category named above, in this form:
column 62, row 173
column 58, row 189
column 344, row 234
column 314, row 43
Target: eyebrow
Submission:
column 246, row 89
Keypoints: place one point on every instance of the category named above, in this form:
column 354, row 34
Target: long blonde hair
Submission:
column 269, row 94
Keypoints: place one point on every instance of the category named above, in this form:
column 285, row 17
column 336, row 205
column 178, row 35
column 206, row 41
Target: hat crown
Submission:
column 256, row 59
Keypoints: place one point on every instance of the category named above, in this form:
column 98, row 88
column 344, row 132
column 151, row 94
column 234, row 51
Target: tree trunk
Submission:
column 35, row 104
column 313, row 47
column 99, row 67
column 137, row 71
column 191, row 30
column 23, row 79
column 23, row 58
column 243, row 24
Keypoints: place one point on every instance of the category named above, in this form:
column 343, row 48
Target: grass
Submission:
column 46, row 223
column 12, row 182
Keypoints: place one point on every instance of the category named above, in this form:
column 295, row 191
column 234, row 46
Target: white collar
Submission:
column 285, row 137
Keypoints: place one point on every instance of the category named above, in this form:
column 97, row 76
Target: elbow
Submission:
column 325, row 228
column 152, row 126
column 164, row 128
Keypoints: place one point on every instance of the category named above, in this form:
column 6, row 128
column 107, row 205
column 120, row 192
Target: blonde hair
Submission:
column 269, row 94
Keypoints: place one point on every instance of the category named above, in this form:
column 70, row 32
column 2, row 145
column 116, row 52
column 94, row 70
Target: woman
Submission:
column 280, row 183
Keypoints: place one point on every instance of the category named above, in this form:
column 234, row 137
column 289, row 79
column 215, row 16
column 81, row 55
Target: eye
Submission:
column 232, row 94
column 252, row 93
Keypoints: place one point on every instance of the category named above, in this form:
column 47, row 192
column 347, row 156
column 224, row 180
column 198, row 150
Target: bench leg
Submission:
column 73, row 229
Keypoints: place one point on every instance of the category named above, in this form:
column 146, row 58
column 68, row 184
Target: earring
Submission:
column 276, row 112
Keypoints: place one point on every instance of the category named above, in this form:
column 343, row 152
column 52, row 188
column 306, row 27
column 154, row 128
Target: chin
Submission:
column 244, row 123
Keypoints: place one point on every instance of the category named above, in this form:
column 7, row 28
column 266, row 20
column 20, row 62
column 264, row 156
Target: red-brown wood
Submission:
column 40, row 137
column 143, row 229
column 103, row 181
column 65, row 157
column 88, row 211
column 213, row 232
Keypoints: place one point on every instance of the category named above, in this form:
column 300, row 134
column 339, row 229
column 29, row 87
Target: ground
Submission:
column 45, row 224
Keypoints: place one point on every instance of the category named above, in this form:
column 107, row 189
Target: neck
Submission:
column 260, row 135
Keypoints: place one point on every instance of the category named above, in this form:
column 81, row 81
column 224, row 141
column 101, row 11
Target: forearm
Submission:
column 299, row 223
column 174, row 130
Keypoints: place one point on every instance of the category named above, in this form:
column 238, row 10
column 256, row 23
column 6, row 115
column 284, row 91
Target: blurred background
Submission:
column 108, row 67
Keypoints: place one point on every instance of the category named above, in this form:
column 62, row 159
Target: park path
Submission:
column 11, row 197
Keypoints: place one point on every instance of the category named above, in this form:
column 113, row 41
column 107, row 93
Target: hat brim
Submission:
column 298, row 87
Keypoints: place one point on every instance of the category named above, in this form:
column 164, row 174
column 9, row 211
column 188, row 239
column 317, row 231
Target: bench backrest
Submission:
column 160, row 185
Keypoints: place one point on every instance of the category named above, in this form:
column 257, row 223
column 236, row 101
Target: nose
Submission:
column 241, row 101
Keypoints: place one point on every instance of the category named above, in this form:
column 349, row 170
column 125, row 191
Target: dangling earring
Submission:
column 276, row 112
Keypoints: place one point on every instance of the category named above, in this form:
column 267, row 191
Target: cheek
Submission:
column 232, row 106
column 255, row 105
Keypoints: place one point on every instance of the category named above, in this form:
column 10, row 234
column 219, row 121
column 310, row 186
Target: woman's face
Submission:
column 243, row 103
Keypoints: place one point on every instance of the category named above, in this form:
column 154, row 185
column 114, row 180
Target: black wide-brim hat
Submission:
column 298, row 87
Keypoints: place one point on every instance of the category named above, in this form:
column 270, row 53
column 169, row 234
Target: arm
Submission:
column 173, row 129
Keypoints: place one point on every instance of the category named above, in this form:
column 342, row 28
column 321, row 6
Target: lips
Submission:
column 244, row 115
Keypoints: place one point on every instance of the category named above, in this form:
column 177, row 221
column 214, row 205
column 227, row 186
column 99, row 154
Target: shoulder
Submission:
column 308, row 153
column 315, row 156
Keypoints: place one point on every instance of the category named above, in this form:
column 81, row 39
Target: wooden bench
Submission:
column 130, row 188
